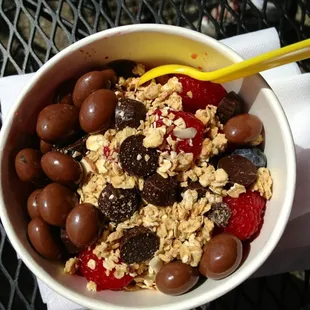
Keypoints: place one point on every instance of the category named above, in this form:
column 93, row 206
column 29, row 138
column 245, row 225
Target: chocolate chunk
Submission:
column 70, row 247
column 123, row 67
column 160, row 191
column 76, row 150
column 137, row 160
column 219, row 214
column 215, row 159
column 239, row 169
column 129, row 113
column 118, row 204
column 231, row 105
column 138, row 245
column 201, row 190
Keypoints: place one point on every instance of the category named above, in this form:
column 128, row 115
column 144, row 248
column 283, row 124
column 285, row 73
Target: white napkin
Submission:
column 293, row 91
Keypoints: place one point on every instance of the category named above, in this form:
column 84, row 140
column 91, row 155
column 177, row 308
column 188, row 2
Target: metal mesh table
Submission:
column 33, row 31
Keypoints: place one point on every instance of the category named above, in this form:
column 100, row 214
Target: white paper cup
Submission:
column 153, row 45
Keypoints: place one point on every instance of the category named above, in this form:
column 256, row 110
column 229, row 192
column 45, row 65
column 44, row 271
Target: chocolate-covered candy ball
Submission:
column 90, row 82
column 33, row 205
column 45, row 146
column 58, row 123
column 28, row 165
column 176, row 278
column 129, row 113
column 43, row 240
column 221, row 257
column 97, row 110
column 243, row 128
column 82, row 225
column 55, row 203
column 61, row 168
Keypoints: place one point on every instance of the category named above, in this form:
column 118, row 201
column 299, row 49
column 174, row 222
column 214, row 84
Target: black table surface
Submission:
column 33, row 31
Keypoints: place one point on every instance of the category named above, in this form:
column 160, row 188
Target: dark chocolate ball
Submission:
column 129, row 113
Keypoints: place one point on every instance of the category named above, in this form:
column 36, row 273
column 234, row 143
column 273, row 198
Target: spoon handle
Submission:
column 291, row 53
column 279, row 57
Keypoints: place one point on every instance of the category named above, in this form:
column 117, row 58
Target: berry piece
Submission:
column 247, row 214
column 97, row 273
column 189, row 140
column 255, row 155
column 198, row 94
column 192, row 145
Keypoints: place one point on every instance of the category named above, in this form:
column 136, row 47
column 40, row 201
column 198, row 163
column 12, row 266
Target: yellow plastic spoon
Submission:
column 291, row 53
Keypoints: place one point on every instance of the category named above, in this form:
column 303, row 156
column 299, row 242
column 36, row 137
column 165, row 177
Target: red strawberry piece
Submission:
column 247, row 214
column 106, row 151
column 98, row 274
column 192, row 145
column 198, row 94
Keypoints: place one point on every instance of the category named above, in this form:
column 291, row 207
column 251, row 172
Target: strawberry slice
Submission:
column 198, row 94
column 194, row 125
column 98, row 274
